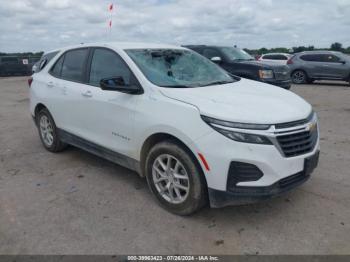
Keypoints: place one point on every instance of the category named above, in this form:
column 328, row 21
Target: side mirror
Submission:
column 118, row 84
column 216, row 59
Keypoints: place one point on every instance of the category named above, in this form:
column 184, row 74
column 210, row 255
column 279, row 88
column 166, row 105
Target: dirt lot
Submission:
column 76, row 203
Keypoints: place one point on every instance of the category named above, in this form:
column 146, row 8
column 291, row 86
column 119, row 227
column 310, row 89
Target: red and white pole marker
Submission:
column 110, row 23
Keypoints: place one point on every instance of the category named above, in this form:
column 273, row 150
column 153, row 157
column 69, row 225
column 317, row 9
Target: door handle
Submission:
column 87, row 94
column 50, row 84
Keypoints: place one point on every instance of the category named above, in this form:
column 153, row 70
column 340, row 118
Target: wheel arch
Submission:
column 156, row 138
column 38, row 108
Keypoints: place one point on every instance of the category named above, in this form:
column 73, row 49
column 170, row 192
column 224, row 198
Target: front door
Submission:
column 334, row 67
column 109, row 115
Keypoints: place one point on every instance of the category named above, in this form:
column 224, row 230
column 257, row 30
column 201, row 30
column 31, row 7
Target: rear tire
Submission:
column 48, row 132
column 299, row 77
column 174, row 179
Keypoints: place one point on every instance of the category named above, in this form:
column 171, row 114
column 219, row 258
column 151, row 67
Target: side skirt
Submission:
column 100, row 151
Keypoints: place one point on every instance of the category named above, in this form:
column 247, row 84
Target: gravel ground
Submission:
column 76, row 203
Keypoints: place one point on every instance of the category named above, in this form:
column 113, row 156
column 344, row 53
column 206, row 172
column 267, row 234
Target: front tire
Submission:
column 174, row 179
column 299, row 77
column 48, row 132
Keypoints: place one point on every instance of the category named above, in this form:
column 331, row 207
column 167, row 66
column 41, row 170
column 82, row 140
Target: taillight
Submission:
column 290, row 61
column 30, row 81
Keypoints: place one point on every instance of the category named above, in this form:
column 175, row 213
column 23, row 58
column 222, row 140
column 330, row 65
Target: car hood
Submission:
column 264, row 64
column 244, row 101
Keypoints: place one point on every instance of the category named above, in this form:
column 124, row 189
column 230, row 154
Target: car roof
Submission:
column 277, row 54
column 318, row 52
column 124, row 45
column 211, row 46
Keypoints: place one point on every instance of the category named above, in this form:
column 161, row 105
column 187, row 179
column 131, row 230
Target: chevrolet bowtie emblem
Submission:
column 311, row 126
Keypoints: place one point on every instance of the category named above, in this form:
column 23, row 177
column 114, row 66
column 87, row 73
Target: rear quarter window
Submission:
column 57, row 68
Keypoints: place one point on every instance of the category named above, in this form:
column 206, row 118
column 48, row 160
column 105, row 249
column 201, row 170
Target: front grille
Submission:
column 298, row 143
column 282, row 75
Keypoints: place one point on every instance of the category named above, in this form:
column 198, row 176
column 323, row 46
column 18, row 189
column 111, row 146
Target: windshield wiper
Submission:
column 218, row 83
column 241, row 59
column 177, row 86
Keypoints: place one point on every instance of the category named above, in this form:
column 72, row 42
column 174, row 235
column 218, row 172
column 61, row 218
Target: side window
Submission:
column 312, row 58
column 73, row 65
column 281, row 57
column 268, row 57
column 57, row 68
column 107, row 64
column 210, row 53
column 331, row 58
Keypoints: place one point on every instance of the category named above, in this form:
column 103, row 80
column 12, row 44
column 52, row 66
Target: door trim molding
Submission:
column 100, row 151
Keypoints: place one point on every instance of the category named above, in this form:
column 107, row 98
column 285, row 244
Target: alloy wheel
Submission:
column 46, row 130
column 170, row 179
column 299, row 77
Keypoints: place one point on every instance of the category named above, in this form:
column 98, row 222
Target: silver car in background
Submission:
column 319, row 65
column 278, row 58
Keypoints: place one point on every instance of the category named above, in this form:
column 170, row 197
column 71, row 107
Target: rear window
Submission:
column 45, row 59
column 57, row 68
column 275, row 57
column 49, row 56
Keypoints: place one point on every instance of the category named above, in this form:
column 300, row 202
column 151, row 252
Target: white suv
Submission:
column 193, row 130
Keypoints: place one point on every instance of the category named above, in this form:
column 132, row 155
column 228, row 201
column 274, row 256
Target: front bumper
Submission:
column 281, row 83
column 244, row 195
column 259, row 171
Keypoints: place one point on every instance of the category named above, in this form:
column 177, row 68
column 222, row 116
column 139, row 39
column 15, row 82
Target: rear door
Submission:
column 68, row 83
column 313, row 64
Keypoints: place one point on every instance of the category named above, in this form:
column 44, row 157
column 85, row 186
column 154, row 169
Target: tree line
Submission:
column 334, row 47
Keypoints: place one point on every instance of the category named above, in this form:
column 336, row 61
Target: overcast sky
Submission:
column 34, row 25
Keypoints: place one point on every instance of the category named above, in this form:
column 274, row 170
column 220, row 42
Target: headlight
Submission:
column 265, row 74
column 213, row 121
column 239, row 136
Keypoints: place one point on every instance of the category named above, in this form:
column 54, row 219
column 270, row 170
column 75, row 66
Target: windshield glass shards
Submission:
column 178, row 68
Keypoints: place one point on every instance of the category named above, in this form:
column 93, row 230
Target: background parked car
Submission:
column 43, row 61
column 319, row 65
column 280, row 58
column 238, row 62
